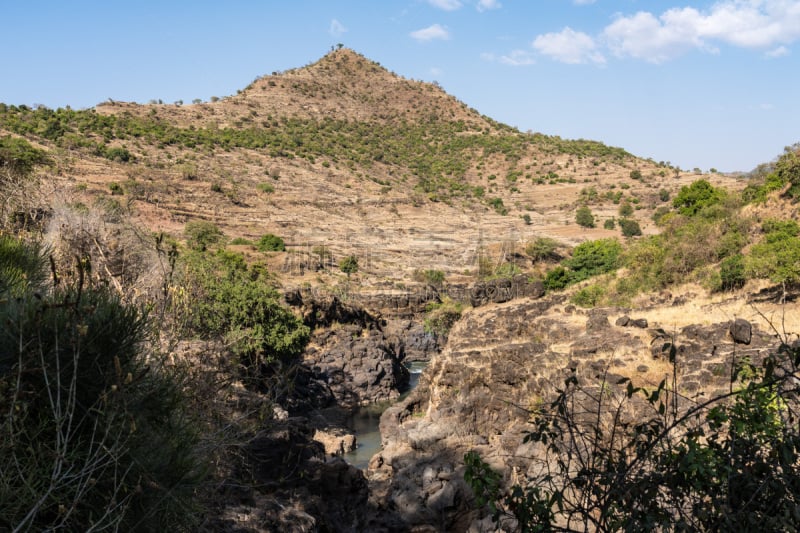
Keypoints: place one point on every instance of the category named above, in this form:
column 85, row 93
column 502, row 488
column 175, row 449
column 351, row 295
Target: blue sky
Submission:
column 699, row 84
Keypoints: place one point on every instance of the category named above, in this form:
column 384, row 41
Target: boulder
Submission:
column 741, row 331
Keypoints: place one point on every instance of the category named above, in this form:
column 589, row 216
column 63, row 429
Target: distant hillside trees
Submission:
column 584, row 217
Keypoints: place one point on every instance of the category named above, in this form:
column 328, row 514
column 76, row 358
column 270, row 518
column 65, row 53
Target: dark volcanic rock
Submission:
column 741, row 331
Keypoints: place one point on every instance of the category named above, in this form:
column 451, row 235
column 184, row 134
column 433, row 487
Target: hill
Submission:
column 345, row 155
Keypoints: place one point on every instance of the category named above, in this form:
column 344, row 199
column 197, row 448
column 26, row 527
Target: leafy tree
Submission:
column 732, row 272
column 349, row 265
column 629, row 227
column 696, row 197
column 543, row 249
column 592, row 258
column 18, row 158
column 200, row 234
column 227, row 299
column 584, row 217
column 777, row 256
column 271, row 243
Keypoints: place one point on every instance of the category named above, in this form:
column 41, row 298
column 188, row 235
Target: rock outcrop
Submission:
column 501, row 363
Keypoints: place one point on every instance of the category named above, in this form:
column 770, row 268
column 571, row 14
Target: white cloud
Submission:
column 447, row 5
column 568, row 46
column 740, row 23
column 337, row 29
column 518, row 58
column 778, row 52
column 487, row 5
column 488, row 56
column 436, row 72
column 435, row 31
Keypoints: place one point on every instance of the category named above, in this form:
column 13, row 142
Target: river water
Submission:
column 364, row 423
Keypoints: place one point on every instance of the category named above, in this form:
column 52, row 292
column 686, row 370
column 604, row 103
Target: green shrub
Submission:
column 506, row 270
column 241, row 241
column 18, row 157
column 625, row 209
column 266, row 188
column 636, row 174
column 497, row 205
column 543, row 249
column 115, row 188
column 271, row 243
column 118, row 153
column 659, row 215
column 732, row 273
column 441, row 316
column 200, row 234
column 591, row 258
column 663, row 195
column 629, row 227
column 349, row 265
column 609, row 224
column 97, row 429
column 777, row 255
column 429, row 276
column 227, row 299
column 696, row 197
column 557, row 279
column 584, row 217
column 589, row 296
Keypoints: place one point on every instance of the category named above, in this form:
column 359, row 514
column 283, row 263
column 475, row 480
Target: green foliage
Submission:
column 115, row 188
column 589, row 296
column 200, row 234
column 497, row 205
column 732, row 272
column 527, row 219
column 636, row 174
column 592, row 258
column 557, row 279
column 118, row 153
column 630, row 227
column 768, row 178
column 441, row 316
column 584, row 217
column 266, row 188
column 660, row 215
column 96, row 427
column 18, row 158
column 663, row 195
column 625, row 209
column 270, row 243
column 696, row 197
column 726, row 463
column 439, row 153
column 227, row 299
column 777, row 255
column 543, row 249
column 609, row 223
column 430, row 277
column 349, row 265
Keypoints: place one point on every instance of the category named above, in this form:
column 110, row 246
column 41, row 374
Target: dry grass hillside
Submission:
column 345, row 155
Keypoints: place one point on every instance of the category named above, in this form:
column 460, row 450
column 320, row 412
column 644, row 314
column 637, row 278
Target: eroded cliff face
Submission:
column 504, row 361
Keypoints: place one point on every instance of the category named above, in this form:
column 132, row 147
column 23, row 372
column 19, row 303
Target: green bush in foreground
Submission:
column 94, row 432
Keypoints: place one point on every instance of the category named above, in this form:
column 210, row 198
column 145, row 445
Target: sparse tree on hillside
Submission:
column 584, row 217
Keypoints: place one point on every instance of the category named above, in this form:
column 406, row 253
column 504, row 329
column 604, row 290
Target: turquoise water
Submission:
column 365, row 421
